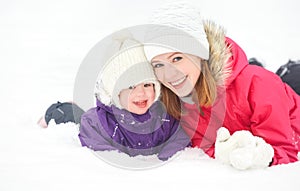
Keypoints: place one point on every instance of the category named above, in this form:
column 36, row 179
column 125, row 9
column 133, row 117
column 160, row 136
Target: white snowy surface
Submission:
column 42, row 44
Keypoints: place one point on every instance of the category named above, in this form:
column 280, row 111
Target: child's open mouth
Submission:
column 141, row 104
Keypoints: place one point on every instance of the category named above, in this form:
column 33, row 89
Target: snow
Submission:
column 42, row 46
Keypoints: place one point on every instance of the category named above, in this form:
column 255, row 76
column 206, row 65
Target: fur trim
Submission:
column 219, row 52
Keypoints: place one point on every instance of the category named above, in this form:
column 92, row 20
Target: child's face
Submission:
column 138, row 99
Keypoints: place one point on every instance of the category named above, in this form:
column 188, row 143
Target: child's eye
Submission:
column 148, row 85
column 131, row 87
column 177, row 58
column 157, row 65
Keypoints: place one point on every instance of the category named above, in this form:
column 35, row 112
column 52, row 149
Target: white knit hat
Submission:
column 177, row 26
column 128, row 67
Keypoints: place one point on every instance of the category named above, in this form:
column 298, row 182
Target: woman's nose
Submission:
column 170, row 71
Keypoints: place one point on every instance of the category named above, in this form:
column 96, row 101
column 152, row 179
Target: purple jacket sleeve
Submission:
column 91, row 133
column 177, row 142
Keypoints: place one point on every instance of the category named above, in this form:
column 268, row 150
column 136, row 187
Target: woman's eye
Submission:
column 157, row 65
column 176, row 59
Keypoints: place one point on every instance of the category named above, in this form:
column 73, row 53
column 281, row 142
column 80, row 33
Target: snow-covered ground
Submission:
column 42, row 44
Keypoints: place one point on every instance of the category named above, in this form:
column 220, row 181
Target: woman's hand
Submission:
column 242, row 150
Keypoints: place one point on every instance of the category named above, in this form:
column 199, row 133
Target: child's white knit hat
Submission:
column 128, row 67
column 177, row 26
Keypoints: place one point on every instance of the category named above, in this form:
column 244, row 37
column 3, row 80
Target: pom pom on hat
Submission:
column 128, row 67
column 177, row 26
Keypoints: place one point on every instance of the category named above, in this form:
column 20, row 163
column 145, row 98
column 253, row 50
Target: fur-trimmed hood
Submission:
column 226, row 58
column 255, row 100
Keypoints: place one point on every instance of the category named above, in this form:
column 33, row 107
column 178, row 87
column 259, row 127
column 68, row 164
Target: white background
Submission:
column 42, row 44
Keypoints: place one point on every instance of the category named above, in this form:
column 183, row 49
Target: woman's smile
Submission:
column 178, row 82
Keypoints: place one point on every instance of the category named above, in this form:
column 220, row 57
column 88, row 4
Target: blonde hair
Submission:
column 204, row 95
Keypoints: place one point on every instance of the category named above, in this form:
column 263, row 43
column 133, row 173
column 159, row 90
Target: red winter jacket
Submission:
column 254, row 99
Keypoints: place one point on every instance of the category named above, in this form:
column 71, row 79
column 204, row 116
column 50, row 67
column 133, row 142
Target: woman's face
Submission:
column 177, row 71
column 138, row 99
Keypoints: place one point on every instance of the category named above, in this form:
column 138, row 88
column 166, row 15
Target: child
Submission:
column 128, row 117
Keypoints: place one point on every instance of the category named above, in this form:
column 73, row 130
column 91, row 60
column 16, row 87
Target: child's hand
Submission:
column 242, row 150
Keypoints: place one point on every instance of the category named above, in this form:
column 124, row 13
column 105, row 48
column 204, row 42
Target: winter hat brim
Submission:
column 180, row 42
column 177, row 25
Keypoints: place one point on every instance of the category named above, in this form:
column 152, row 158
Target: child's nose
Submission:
column 139, row 90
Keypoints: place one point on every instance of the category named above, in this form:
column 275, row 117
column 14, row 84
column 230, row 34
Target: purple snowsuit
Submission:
column 110, row 128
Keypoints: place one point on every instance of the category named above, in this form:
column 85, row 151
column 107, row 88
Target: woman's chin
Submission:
column 182, row 92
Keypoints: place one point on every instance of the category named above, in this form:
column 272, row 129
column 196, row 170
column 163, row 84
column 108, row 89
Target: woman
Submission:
column 216, row 87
